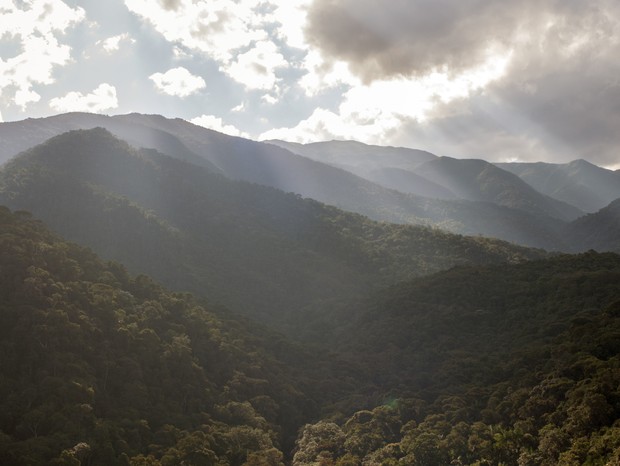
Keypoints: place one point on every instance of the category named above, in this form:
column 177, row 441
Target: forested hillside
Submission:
column 101, row 368
column 271, row 255
column 599, row 230
column 488, row 365
column 503, row 364
column 312, row 336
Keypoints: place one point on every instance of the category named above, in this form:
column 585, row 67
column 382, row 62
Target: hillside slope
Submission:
column 599, row 231
column 424, row 174
column 358, row 157
column 101, row 368
column 478, row 180
column 579, row 182
column 269, row 165
column 486, row 365
column 271, row 255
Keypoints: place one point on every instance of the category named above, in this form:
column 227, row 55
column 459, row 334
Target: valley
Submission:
column 172, row 295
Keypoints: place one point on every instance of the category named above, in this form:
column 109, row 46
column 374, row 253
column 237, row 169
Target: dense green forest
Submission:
column 199, row 320
column 506, row 364
column 102, row 368
column 488, row 365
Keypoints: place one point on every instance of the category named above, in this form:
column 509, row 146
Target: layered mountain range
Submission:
column 397, row 185
column 331, row 303
column 250, row 247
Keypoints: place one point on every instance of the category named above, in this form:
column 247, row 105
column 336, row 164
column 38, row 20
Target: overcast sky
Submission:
column 501, row 80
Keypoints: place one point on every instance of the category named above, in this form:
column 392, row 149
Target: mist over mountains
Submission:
column 253, row 248
column 172, row 295
column 462, row 196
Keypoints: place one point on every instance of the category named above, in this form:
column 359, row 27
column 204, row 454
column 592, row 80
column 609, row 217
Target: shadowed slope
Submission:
column 579, row 182
column 258, row 250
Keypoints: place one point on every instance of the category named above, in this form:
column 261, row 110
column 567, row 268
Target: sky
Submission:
column 524, row 80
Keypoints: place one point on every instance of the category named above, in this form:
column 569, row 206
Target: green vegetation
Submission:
column 512, row 365
column 503, row 364
column 270, row 255
column 363, row 343
column 101, row 368
column 599, row 230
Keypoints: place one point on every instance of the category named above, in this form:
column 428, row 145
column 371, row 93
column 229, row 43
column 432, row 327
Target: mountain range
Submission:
column 218, row 237
column 475, row 364
column 170, row 295
column 492, row 203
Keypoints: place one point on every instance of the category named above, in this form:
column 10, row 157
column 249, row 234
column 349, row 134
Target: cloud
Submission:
column 414, row 38
column 217, row 27
column 244, row 36
column 36, row 25
column 557, row 99
column 216, row 124
column 375, row 112
column 321, row 125
column 113, row 44
column 554, row 95
column 239, row 108
column 102, row 98
column 178, row 82
column 255, row 69
column 290, row 18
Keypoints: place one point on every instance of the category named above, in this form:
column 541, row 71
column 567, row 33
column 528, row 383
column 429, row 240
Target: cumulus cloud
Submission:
column 102, row 98
column 112, row 44
column 35, row 25
column 217, row 27
column 375, row 112
column 178, row 82
column 216, row 124
column 243, row 36
column 255, row 69
column 290, row 18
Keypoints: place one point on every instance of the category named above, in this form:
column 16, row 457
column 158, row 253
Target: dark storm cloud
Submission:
column 380, row 39
column 560, row 95
column 171, row 5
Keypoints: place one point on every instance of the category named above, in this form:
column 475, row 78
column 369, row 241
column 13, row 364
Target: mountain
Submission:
column 506, row 364
column 266, row 164
column 358, row 157
column 496, row 364
column 101, row 368
column 478, row 180
column 424, row 174
column 412, row 345
column 407, row 181
column 579, row 183
column 599, row 231
column 19, row 136
column 271, row 255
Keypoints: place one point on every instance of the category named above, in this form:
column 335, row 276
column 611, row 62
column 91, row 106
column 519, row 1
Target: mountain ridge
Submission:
column 579, row 182
column 217, row 236
column 261, row 163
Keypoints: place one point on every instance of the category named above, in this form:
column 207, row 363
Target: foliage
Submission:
column 270, row 255
column 101, row 368
column 427, row 348
column 503, row 365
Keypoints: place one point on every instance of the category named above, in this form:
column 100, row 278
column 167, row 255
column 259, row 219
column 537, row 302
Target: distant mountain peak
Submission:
column 581, row 163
